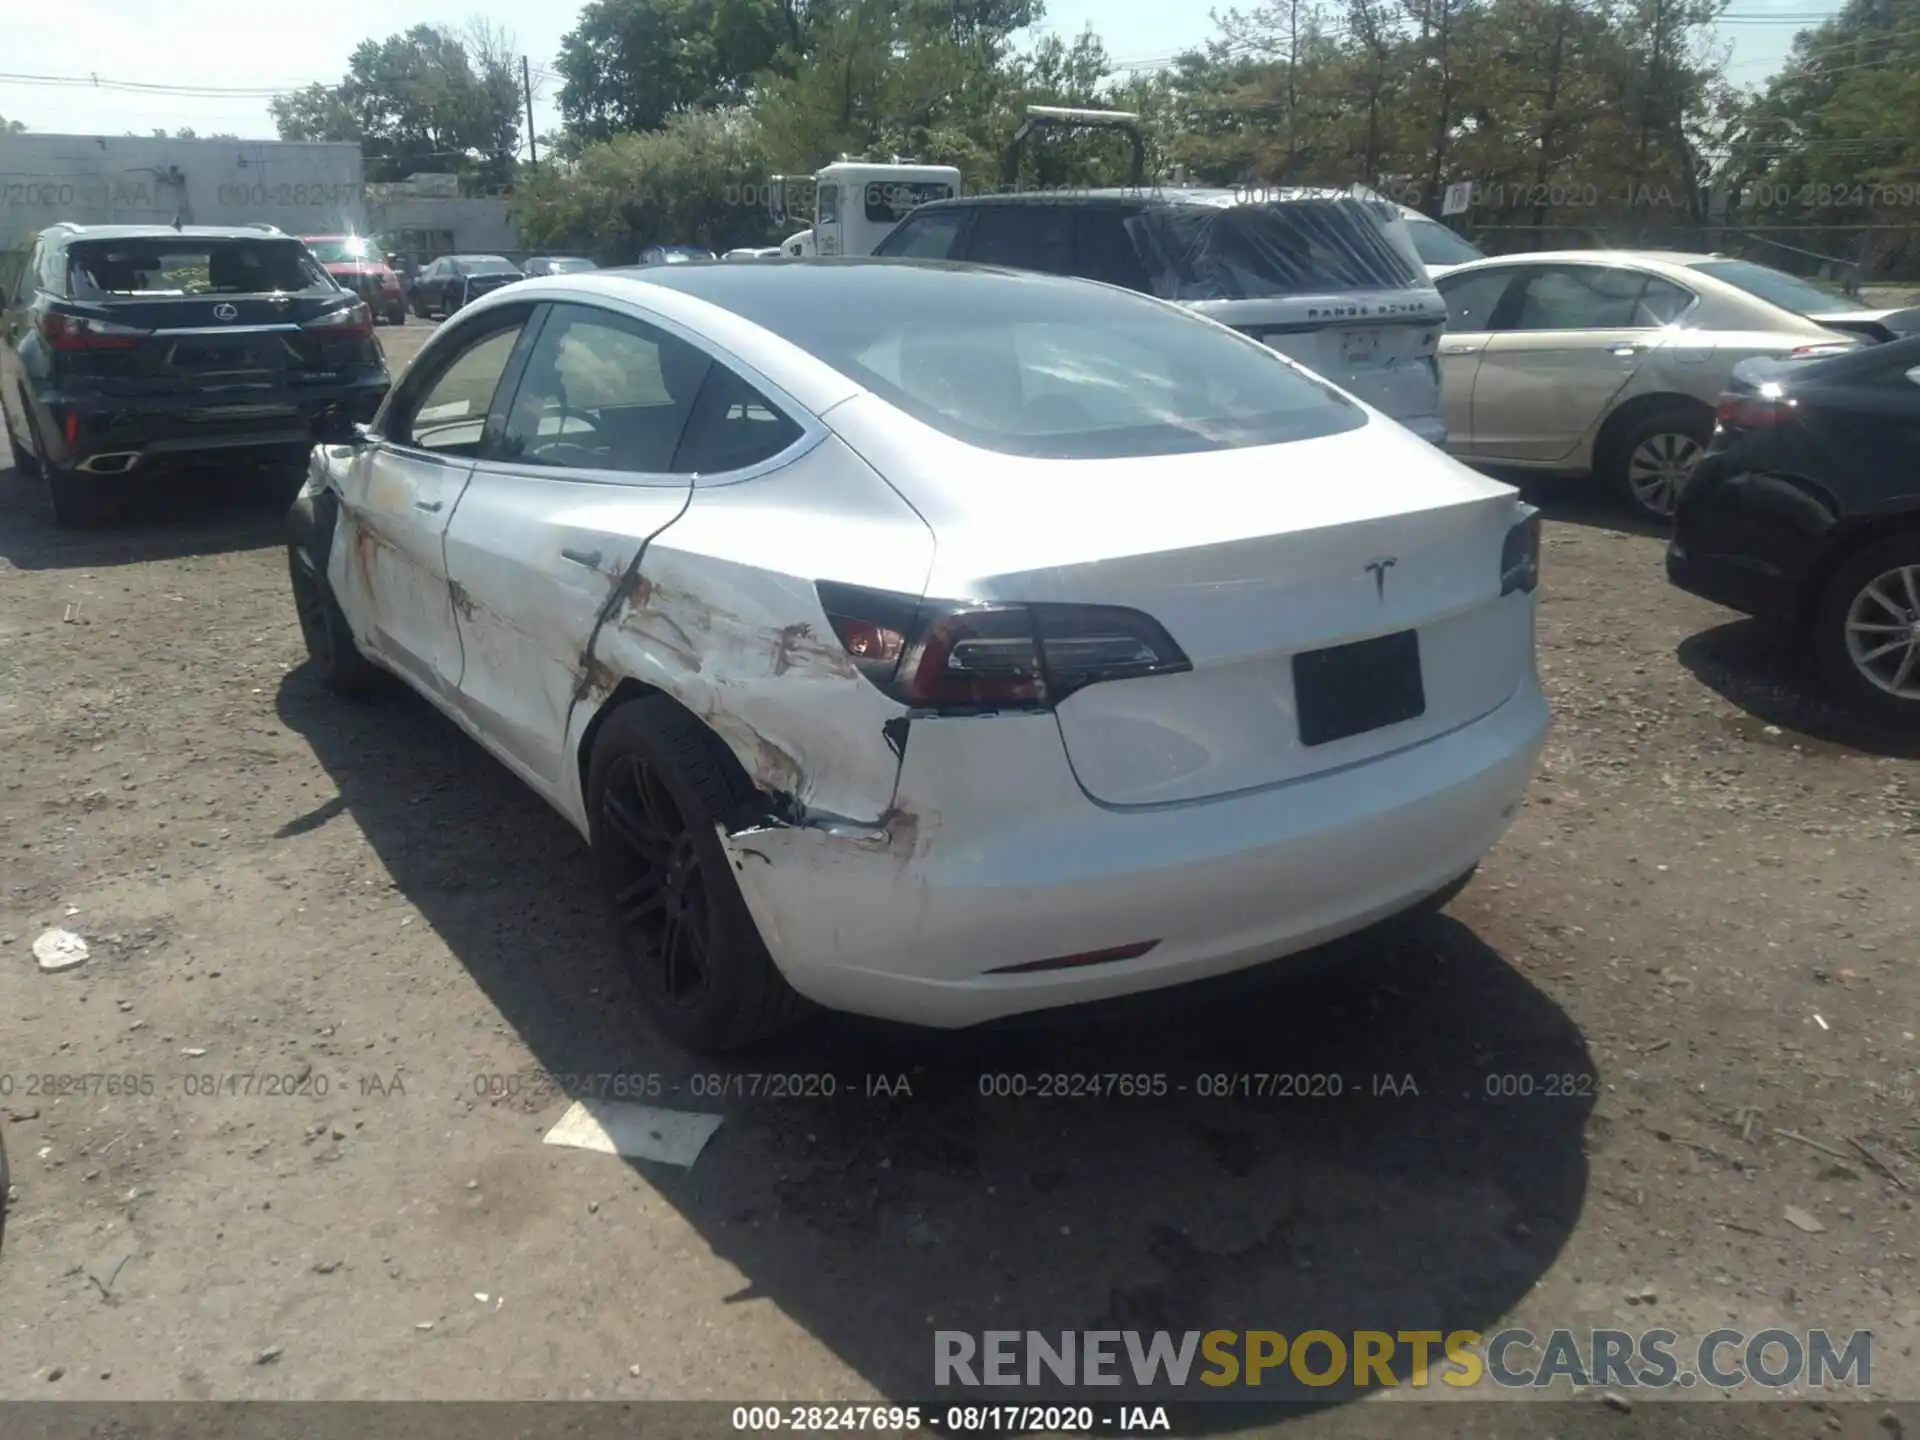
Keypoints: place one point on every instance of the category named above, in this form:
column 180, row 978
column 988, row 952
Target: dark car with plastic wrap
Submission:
column 123, row 348
column 1805, row 511
column 1331, row 279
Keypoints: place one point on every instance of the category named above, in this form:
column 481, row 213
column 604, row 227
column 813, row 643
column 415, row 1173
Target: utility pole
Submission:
column 526, row 80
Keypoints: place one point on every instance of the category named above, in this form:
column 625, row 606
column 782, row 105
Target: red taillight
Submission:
column 1752, row 412
column 353, row 323
column 960, row 656
column 82, row 332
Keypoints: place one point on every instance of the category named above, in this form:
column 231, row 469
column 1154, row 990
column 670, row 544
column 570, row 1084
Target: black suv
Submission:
column 129, row 345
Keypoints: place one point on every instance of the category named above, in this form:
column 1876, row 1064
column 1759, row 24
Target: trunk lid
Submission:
column 1381, row 346
column 1879, row 326
column 221, row 313
column 1251, row 559
column 195, row 346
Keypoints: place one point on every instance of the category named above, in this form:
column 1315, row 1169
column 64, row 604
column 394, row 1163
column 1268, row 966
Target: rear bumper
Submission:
column 78, row 430
column 1739, row 582
column 975, row 876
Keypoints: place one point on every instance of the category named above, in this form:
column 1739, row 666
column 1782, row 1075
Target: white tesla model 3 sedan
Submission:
column 935, row 642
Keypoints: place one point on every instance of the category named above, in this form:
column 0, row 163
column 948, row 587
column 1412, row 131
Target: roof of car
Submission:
column 68, row 231
column 834, row 277
column 1213, row 197
column 1678, row 258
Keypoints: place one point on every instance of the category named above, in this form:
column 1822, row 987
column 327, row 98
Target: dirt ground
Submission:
column 1705, row 914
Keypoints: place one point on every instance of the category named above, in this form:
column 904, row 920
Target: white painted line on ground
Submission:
column 637, row 1132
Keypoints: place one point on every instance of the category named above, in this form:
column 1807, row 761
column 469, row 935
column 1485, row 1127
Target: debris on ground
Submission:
column 635, row 1132
column 1802, row 1220
column 59, row 950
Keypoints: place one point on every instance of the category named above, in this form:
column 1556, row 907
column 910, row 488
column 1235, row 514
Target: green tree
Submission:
column 11, row 127
column 700, row 178
column 429, row 99
column 629, row 64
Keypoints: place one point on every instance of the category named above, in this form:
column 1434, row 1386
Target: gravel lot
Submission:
column 1707, row 906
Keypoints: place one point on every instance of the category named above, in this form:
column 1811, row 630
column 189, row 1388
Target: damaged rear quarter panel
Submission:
column 724, row 617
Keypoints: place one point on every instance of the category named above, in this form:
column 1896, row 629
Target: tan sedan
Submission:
column 1609, row 363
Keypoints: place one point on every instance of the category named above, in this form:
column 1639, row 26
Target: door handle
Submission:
column 1456, row 349
column 588, row 558
column 427, row 505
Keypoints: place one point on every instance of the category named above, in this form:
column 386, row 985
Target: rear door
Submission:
column 581, row 475
column 1023, row 235
column 928, row 235
column 388, row 563
column 1473, row 303
column 1572, row 340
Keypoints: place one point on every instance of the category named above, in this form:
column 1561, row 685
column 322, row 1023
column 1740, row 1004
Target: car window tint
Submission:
column 1437, row 245
column 603, row 392
column 1662, row 303
column 451, row 415
column 1260, row 251
column 1472, row 298
column 732, row 426
column 192, row 266
column 1582, row 297
column 1033, row 236
column 926, row 237
column 1103, row 250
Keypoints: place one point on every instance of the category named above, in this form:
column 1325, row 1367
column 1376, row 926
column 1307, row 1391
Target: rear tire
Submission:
column 657, row 783
column 1647, row 462
column 1866, row 631
column 80, row 501
column 323, row 625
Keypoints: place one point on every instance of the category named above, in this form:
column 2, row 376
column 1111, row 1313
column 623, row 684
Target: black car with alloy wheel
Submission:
column 125, row 347
column 1806, row 510
column 453, row 280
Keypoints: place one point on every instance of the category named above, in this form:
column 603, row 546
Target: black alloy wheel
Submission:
column 660, row 898
column 658, row 784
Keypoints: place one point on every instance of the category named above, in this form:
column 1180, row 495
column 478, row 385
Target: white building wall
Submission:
column 305, row 189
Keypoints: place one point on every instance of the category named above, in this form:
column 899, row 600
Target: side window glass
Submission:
column 828, row 201
column 1030, row 236
column 732, row 426
column 1103, row 250
column 1582, row 297
column 929, row 237
column 603, row 392
column 1663, row 303
column 452, row 414
column 1472, row 299
column 29, row 278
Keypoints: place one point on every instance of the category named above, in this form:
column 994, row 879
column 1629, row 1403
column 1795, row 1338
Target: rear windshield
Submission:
column 191, row 266
column 1262, row 251
column 487, row 265
column 566, row 267
column 1038, row 366
column 1440, row 246
column 1776, row 287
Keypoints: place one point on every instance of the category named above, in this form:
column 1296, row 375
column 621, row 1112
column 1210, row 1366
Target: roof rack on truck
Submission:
column 1060, row 117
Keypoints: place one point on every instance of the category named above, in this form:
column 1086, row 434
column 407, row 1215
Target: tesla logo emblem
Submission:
column 1378, row 569
column 224, row 311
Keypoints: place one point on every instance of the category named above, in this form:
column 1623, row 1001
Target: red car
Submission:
column 353, row 261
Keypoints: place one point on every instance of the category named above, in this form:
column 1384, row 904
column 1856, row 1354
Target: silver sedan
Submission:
column 1609, row 362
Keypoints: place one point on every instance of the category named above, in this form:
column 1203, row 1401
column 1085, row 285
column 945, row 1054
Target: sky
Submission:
column 162, row 59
